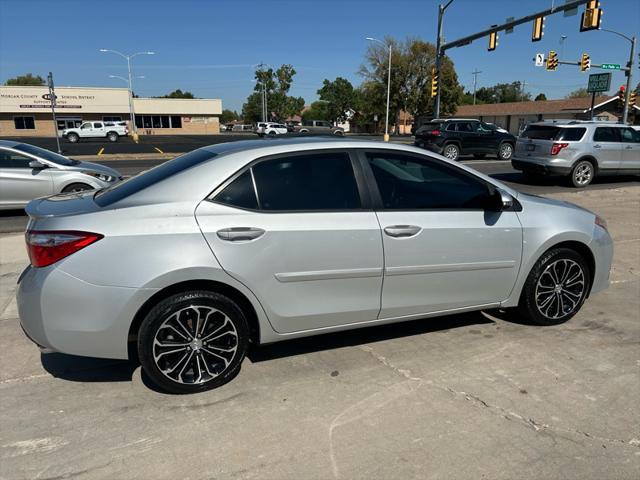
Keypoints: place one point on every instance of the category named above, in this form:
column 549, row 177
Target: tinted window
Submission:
column 13, row 160
column 24, row 123
column 429, row 127
column 176, row 122
column 321, row 181
column 46, row 154
column 606, row 134
column 571, row 134
column 239, row 193
column 540, row 132
column 466, row 127
column 135, row 184
column 409, row 183
column 630, row 135
column 97, row 125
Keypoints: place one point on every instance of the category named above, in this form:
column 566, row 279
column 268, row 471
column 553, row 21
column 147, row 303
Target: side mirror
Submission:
column 36, row 165
column 500, row 201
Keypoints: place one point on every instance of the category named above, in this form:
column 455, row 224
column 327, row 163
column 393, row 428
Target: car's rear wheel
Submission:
column 582, row 174
column 193, row 341
column 555, row 288
column 451, row 151
column 339, row 133
column 112, row 136
column 272, row 133
column 73, row 137
column 76, row 187
column 505, row 151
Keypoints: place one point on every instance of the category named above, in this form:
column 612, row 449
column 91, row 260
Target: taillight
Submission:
column 435, row 132
column 47, row 247
column 556, row 147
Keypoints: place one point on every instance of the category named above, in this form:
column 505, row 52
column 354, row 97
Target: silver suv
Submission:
column 579, row 150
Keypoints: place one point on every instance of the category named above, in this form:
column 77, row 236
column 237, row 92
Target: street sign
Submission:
column 599, row 82
column 539, row 59
column 610, row 66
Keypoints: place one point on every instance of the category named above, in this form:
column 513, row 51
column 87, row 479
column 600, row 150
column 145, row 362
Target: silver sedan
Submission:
column 254, row 242
column 28, row 172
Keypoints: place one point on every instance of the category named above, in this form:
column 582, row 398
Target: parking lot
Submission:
column 478, row 395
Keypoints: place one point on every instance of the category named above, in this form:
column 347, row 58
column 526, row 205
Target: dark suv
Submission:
column 456, row 137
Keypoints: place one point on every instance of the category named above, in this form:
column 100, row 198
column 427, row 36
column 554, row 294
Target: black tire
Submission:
column 542, row 306
column 479, row 156
column 272, row 133
column 451, row 151
column 113, row 137
column 226, row 317
column 73, row 138
column 582, row 174
column 76, row 187
column 339, row 133
column 505, row 151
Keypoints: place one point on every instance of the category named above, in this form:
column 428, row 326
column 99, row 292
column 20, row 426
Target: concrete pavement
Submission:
column 464, row 396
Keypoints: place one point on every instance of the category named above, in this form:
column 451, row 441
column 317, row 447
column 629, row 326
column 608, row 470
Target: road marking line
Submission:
column 101, row 150
column 160, row 151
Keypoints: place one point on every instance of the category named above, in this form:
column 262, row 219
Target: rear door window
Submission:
column 606, row 134
column 540, row 132
column 572, row 134
column 629, row 135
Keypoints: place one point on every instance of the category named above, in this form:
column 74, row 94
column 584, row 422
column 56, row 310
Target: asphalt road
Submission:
column 16, row 220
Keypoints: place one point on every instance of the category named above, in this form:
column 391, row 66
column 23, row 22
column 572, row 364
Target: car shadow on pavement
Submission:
column 87, row 369
column 362, row 336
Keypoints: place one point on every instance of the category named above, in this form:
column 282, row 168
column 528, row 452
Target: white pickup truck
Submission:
column 109, row 130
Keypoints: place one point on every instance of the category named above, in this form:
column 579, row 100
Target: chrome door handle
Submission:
column 597, row 146
column 402, row 231
column 628, row 147
column 239, row 234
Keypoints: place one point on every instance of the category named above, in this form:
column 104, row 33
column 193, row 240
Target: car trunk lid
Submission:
column 62, row 205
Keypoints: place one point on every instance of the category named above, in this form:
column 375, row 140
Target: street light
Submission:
column 386, row 122
column 627, row 91
column 128, row 58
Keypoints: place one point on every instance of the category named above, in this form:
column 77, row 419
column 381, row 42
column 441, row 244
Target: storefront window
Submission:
column 158, row 121
column 24, row 123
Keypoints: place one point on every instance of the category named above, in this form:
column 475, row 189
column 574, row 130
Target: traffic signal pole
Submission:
column 625, row 113
column 442, row 47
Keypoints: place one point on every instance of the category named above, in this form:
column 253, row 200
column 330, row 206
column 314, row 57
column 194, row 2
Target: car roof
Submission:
column 8, row 143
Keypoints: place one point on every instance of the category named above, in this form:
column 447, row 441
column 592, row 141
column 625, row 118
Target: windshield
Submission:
column 46, row 154
column 135, row 184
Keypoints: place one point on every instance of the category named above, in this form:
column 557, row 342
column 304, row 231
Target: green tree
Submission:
column 228, row 116
column 540, row 97
column 503, row 93
column 317, row 111
column 179, row 94
column 579, row 93
column 411, row 64
column 277, row 84
column 340, row 98
column 27, row 79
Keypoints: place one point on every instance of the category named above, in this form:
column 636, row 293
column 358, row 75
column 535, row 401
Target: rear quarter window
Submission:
column 572, row 134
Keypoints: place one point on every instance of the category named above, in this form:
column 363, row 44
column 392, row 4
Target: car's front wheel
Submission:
column 73, row 137
column 193, row 341
column 451, row 151
column 556, row 287
column 505, row 151
column 76, row 187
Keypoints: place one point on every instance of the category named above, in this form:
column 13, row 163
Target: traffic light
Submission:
column 552, row 61
column 591, row 16
column 538, row 27
column 434, row 82
column 621, row 96
column 632, row 98
column 493, row 40
column 585, row 62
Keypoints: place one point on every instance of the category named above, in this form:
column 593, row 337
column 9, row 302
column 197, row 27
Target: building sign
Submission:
column 88, row 100
column 599, row 82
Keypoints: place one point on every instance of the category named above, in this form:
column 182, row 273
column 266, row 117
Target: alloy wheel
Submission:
column 560, row 289
column 195, row 344
column 451, row 152
column 506, row 150
column 583, row 173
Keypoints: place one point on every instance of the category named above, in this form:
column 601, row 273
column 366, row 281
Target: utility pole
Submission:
column 264, row 91
column 52, row 99
column 439, row 54
column 475, row 74
column 627, row 92
column 523, row 84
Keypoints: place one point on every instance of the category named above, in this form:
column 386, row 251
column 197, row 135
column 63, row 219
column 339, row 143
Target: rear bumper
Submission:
column 432, row 147
column 61, row 313
column 542, row 169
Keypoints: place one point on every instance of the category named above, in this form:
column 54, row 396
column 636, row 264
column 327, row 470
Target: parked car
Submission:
column 455, row 137
column 28, row 172
column 578, row 150
column 273, row 129
column 319, row 127
column 292, row 238
column 292, row 125
column 109, row 130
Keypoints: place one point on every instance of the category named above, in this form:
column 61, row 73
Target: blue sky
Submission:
column 209, row 47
